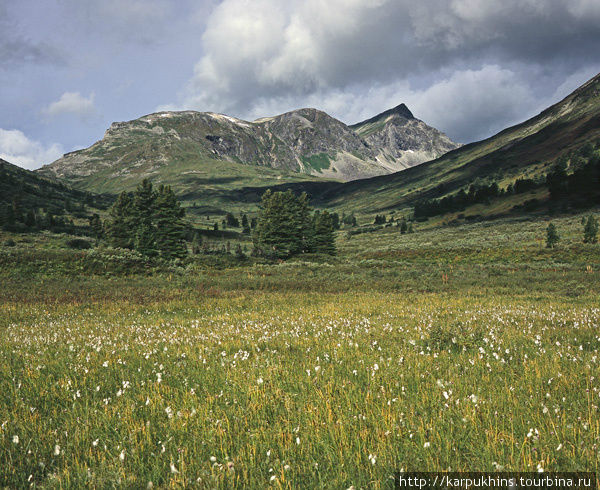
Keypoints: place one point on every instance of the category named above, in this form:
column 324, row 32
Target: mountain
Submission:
column 191, row 150
column 400, row 137
column 23, row 193
column 528, row 150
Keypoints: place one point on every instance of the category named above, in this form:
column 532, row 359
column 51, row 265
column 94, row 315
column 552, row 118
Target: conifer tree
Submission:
column 96, row 226
column 590, row 231
column 552, row 236
column 284, row 225
column 324, row 240
column 403, row 226
column 144, row 207
column 120, row 229
column 170, row 228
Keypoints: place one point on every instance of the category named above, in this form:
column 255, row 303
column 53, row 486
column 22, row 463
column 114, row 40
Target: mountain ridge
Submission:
column 304, row 141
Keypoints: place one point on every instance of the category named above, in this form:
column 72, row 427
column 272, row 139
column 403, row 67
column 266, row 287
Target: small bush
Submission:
column 79, row 244
column 9, row 243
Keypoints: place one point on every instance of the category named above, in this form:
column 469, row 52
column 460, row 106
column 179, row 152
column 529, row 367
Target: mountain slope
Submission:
column 402, row 138
column 526, row 150
column 24, row 193
column 301, row 145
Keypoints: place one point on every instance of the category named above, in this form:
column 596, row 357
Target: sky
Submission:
column 69, row 68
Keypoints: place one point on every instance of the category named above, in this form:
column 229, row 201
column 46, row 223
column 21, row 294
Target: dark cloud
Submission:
column 267, row 53
column 17, row 49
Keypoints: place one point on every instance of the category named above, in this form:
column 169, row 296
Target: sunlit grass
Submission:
column 467, row 348
column 297, row 390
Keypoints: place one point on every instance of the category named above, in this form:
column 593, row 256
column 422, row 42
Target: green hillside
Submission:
column 528, row 150
column 29, row 201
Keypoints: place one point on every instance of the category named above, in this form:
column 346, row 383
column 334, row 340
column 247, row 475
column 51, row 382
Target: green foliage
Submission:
column 231, row 220
column 144, row 208
column 323, row 239
column 30, row 203
column 285, row 226
column 121, row 227
column 590, row 231
column 79, row 243
column 148, row 221
column 96, row 228
column 319, row 162
column 170, row 228
column 552, row 237
column 403, row 226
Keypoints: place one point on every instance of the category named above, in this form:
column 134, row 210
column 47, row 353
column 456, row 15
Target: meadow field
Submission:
column 468, row 347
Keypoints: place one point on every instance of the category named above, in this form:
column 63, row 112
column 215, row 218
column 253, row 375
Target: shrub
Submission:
column 79, row 243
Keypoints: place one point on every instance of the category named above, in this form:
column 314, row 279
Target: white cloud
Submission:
column 476, row 103
column 467, row 66
column 72, row 103
column 18, row 149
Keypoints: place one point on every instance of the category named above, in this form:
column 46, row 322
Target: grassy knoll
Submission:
column 464, row 348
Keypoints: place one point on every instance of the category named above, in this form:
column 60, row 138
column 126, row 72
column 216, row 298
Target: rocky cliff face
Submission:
column 306, row 141
column 398, row 137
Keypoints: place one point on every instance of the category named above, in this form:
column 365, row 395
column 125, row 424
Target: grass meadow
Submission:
column 456, row 348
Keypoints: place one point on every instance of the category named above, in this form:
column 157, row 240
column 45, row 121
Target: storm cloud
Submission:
column 467, row 67
column 478, row 59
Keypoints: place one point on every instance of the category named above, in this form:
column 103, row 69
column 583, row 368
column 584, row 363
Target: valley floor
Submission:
column 467, row 348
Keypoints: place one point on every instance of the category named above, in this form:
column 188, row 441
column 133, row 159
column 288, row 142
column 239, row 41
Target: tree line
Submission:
column 578, row 189
column 287, row 226
column 148, row 220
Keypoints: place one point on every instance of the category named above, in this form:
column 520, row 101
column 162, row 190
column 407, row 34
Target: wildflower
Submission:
column 540, row 468
column 230, row 466
column 559, row 447
column 173, row 469
column 317, row 369
column 260, row 381
column 15, row 439
column 213, row 459
column 95, row 443
column 427, row 444
column 122, row 455
column 286, row 467
column 372, row 459
column 269, row 453
column 298, row 440
column 56, row 450
column 273, row 478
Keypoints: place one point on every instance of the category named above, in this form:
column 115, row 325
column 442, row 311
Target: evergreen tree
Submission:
column 170, row 228
column 552, row 236
column 324, row 240
column 284, row 225
column 231, row 221
column 144, row 207
column 245, row 223
column 590, row 231
column 120, row 229
column 335, row 219
column 410, row 228
column 30, row 219
column 96, row 227
column 403, row 226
